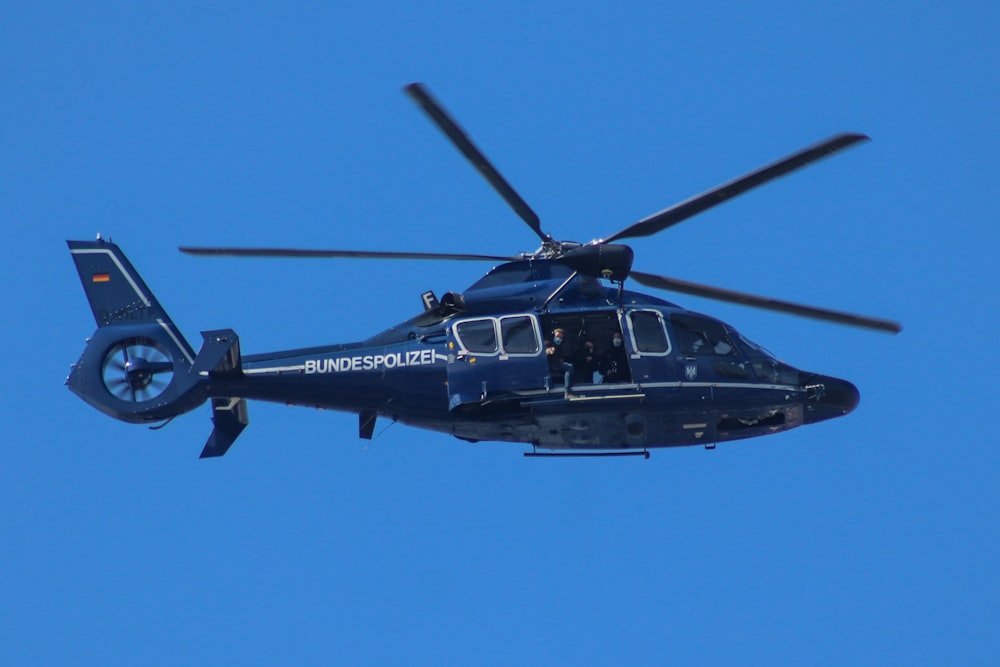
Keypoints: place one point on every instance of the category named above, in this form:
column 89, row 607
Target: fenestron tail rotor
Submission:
column 137, row 370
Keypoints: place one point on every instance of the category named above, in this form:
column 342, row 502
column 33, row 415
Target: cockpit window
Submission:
column 701, row 336
column 478, row 336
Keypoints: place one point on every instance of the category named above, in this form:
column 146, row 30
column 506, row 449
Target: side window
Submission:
column 478, row 336
column 648, row 332
column 518, row 334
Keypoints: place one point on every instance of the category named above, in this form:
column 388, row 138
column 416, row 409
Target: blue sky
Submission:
column 866, row 540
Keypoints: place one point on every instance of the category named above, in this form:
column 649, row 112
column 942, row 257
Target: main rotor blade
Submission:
column 706, row 200
column 720, row 294
column 352, row 254
column 419, row 93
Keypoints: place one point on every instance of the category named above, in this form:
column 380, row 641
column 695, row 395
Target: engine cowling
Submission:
column 611, row 261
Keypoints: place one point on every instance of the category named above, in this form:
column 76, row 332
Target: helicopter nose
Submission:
column 828, row 397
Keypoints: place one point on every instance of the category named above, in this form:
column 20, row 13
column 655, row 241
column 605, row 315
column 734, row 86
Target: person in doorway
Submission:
column 613, row 362
column 558, row 354
column 585, row 363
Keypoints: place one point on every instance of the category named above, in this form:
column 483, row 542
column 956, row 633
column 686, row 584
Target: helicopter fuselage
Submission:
column 483, row 373
column 533, row 352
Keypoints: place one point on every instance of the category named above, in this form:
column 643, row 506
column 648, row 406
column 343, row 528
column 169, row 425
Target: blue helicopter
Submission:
column 547, row 349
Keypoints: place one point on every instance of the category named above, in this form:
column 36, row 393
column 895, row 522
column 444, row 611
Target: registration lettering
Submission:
column 373, row 362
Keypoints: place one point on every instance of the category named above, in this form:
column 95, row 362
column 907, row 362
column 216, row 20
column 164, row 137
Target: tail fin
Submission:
column 137, row 365
column 117, row 294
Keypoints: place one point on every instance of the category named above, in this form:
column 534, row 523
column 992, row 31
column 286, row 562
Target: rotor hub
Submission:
column 139, row 373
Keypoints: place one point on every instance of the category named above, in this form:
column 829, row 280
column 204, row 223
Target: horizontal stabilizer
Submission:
column 219, row 354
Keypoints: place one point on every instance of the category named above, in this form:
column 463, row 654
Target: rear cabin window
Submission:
column 648, row 332
column 478, row 336
column 518, row 335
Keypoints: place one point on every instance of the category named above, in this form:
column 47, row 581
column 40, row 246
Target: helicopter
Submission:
column 547, row 349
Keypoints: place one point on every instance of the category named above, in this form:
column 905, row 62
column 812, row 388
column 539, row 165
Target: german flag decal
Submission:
column 101, row 278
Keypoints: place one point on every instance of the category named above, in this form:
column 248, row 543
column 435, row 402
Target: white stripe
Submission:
column 574, row 397
column 273, row 369
column 170, row 332
column 226, row 407
column 723, row 385
column 660, row 385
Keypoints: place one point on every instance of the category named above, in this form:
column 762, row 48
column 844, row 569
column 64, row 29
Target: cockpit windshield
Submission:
column 765, row 365
column 751, row 349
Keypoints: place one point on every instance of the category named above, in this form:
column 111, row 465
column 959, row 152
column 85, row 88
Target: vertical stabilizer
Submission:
column 117, row 294
column 136, row 366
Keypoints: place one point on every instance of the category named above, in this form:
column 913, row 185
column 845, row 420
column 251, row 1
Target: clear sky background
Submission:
column 865, row 540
